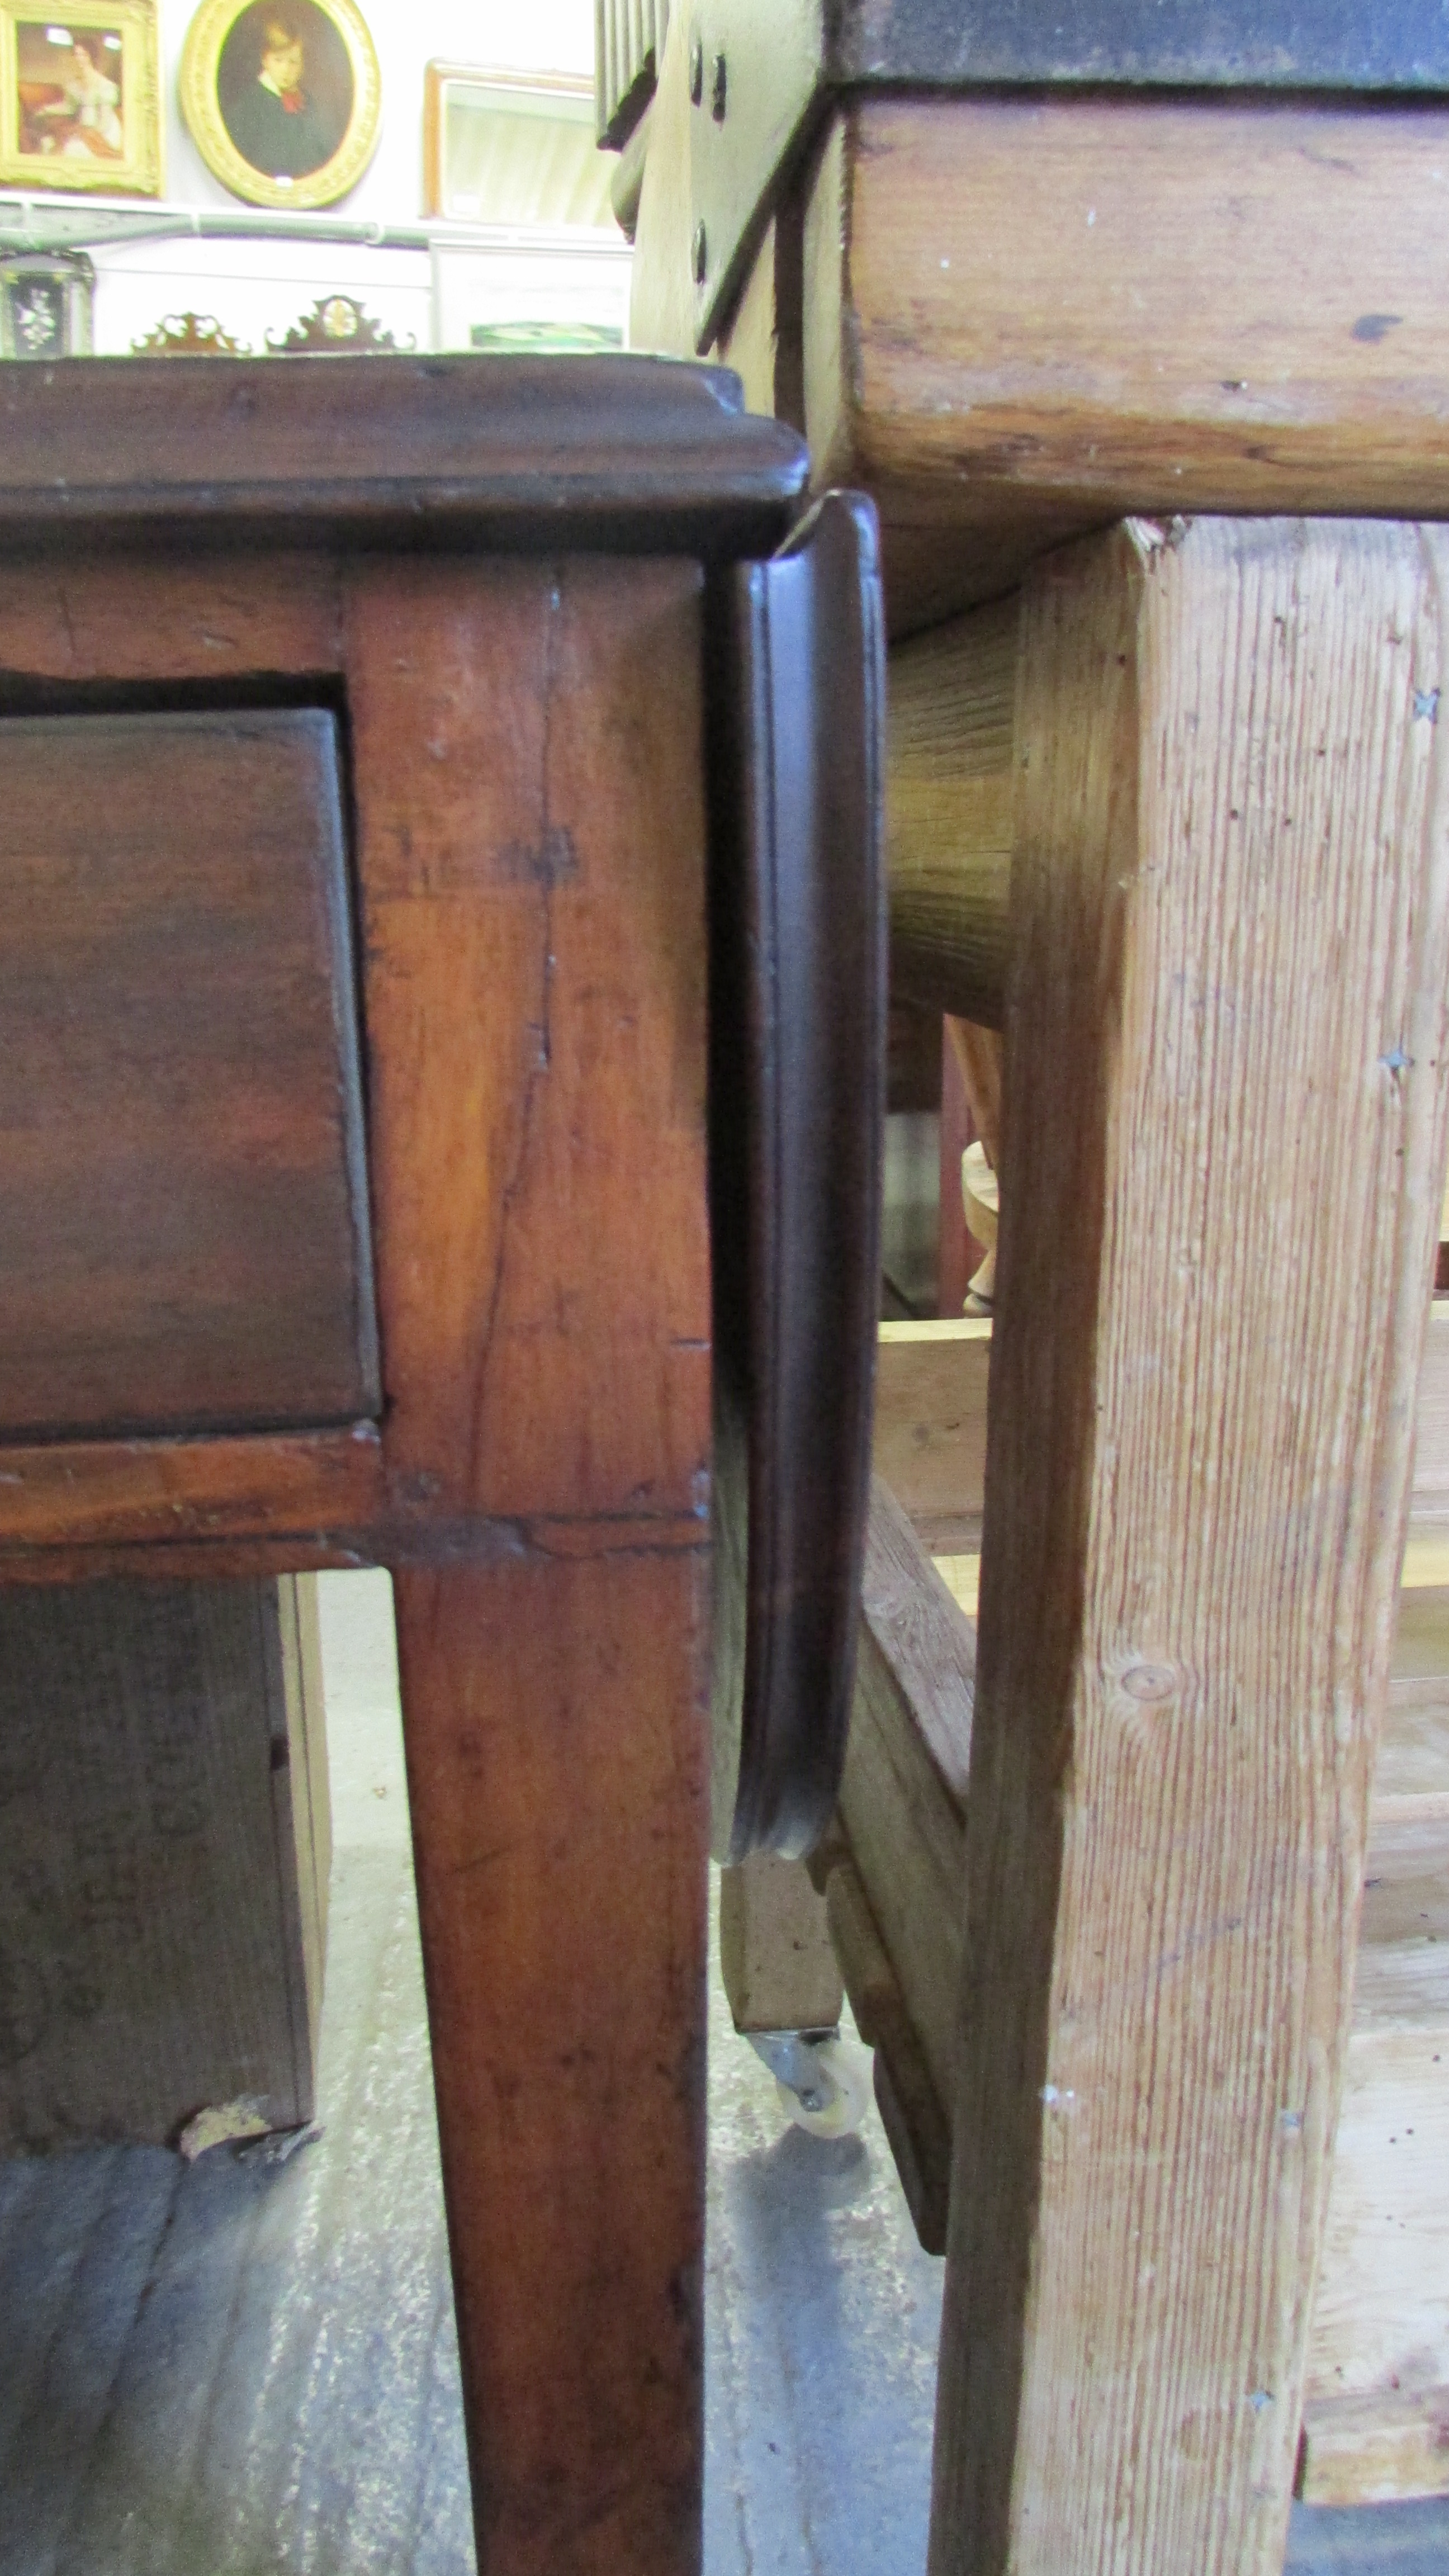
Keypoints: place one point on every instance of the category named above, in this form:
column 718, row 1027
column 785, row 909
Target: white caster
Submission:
column 823, row 2080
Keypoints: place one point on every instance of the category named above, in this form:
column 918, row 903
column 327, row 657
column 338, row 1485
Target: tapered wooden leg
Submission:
column 554, row 1720
column 1225, row 1131
column 535, row 961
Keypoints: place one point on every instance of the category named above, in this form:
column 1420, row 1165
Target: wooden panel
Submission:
column 558, row 1781
column 902, row 1800
column 930, row 1426
column 642, row 458
column 1376, row 2406
column 183, row 1228
column 1199, row 1464
column 948, row 813
column 930, row 1432
column 661, row 288
column 1023, row 317
column 157, row 1493
column 534, row 944
column 155, row 1886
column 150, row 619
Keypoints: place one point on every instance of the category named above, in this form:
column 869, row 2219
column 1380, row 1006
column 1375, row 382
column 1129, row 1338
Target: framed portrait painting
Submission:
column 80, row 97
column 283, row 98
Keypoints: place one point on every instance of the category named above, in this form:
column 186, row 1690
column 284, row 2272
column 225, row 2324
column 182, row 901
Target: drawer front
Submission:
column 183, row 1221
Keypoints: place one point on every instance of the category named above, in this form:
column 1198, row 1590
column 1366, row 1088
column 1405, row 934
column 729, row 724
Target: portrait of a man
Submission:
column 284, row 88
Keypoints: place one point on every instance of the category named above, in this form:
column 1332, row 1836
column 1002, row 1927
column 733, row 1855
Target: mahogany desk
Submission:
column 365, row 730
column 1126, row 318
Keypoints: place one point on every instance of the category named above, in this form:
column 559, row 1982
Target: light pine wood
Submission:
column 948, row 812
column 911, row 2110
column 1377, row 2381
column 778, row 1968
column 930, row 1435
column 1231, row 908
column 902, row 1805
column 930, row 1426
column 661, row 287
column 979, row 1053
column 1376, row 2408
column 1023, row 317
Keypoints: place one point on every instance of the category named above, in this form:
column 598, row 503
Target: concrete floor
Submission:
column 243, row 2368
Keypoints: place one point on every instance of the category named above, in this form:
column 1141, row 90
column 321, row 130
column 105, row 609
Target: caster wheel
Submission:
column 841, row 2075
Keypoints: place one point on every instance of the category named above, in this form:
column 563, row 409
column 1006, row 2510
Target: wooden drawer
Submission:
column 183, row 1221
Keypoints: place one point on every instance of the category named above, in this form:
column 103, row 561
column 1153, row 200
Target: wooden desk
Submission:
column 354, row 721
column 1185, row 853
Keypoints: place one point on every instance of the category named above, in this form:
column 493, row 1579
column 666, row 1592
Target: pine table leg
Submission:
column 1225, row 1130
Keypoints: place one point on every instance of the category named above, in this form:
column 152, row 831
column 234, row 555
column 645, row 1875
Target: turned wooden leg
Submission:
column 554, row 1721
column 1225, row 1130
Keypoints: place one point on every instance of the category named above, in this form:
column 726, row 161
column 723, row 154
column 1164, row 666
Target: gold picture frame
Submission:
column 283, row 98
column 80, row 97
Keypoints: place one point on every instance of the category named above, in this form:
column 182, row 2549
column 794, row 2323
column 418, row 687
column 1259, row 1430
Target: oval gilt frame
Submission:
column 197, row 85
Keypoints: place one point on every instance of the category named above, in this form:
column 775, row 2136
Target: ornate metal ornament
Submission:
column 189, row 335
column 336, row 322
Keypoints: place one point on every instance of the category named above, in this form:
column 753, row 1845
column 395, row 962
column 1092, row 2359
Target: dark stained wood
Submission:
column 527, row 746
column 641, row 456
column 144, row 1493
column 557, row 1779
column 534, row 985
column 75, row 620
column 535, row 1004
column 798, row 1012
column 183, row 1225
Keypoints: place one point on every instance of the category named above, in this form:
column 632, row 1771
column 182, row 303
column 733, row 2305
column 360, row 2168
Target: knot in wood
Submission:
column 1150, row 1683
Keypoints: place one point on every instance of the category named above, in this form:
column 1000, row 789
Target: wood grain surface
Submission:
column 534, row 993
column 1025, row 316
column 776, row 1963
column 554, row 1721
column 1231, row 907
column 642, row 457
column 903, row 1795
column 535, row 1005
column 94, row 622
column 948, row 812
column 183, row 1214
column 163, row 1903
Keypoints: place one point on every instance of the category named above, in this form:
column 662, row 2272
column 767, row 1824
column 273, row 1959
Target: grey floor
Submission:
column 245, row 2368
